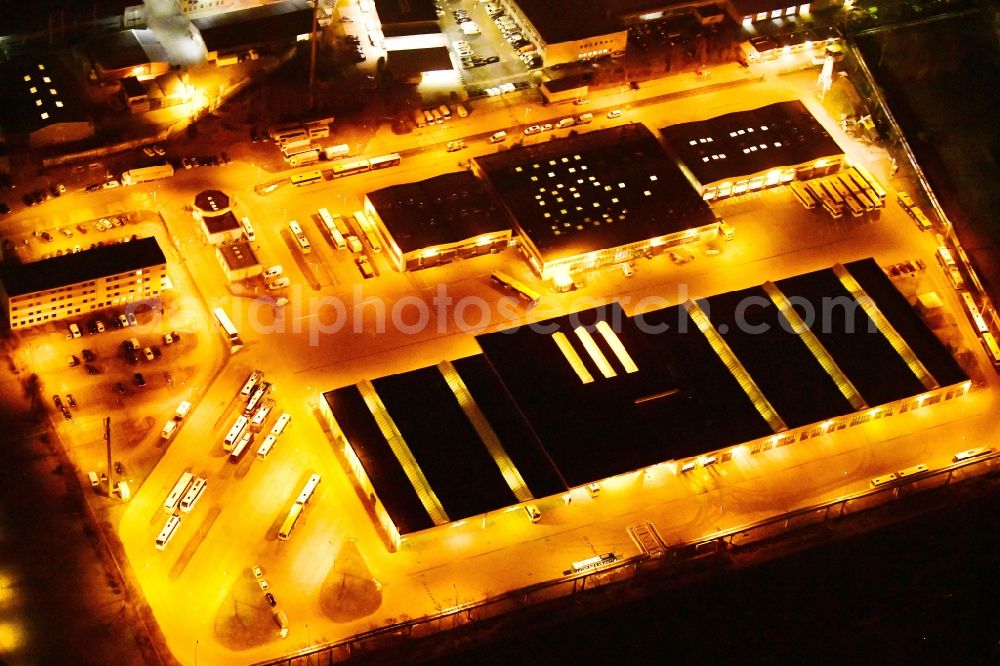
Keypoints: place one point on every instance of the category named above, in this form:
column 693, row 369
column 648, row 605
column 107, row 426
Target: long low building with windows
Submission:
column 748, row 150
column 603, row 197
column 80, row 283
column 598, row 400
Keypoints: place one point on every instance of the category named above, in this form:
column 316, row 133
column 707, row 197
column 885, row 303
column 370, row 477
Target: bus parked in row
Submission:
column 167, row 533
column 290, row 520
column 251, row 383
column 193, row 493
column 240, row 447
column 308, row 489
column 175, row 494
column 307, row 178
column 235, row 433
column 227, row 325
column 367, row 231
column 257, row 398
column 300, row 237
column 522, row 290
column 330, row 225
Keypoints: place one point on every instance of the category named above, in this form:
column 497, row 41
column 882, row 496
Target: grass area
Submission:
column 349, row 591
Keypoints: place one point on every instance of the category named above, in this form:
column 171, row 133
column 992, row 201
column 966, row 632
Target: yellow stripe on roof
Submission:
column 572, row 357
column 884, row 327
column 485, row 431
column 403, row 454
column 616, row 345
column 844, row 385
column 743, row 378
column 596, row 355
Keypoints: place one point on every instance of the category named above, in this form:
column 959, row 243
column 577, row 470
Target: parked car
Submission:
column 681, row 257
column 148, row 353
column 532, row 129
column 364, row 267
column 131, row 319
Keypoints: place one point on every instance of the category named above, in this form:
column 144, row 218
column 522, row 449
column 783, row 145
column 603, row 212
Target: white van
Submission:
column 74, row 330
column 273, row 271
column 534, row 515
column 566, row 122
column 94, row 481
column 278, row 283
column 498, row 137
column 182, row 410
column 169, row 428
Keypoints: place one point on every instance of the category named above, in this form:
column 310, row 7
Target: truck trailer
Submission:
column 146, row 174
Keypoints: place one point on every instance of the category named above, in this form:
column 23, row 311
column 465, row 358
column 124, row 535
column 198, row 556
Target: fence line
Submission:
column 718, row 547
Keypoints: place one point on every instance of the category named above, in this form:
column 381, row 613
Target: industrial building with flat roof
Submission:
column 594, row 395
column 238, row 260
column 274, row 23
column 567, row 31
column 748, row 150
column 438, row 220
column 42, row 104
column 79, row 283
column 598, row 198
column 138, row 53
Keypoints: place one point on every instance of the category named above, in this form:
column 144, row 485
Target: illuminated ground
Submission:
column 335, row 577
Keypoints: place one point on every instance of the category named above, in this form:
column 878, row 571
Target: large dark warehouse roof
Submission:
column 438, row 211
column 594, row 394
column 569, row 20
column 595, row 191
column 244, row 28
column 747, row 142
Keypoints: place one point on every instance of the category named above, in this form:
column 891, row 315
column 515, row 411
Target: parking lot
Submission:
column 489, row 58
